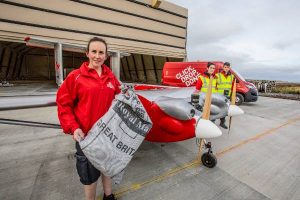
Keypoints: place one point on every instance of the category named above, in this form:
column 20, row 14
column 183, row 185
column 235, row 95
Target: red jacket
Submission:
column 84, row 97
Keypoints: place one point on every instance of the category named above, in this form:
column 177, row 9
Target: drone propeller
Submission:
column 233, row 97
column 204, row 127
column 233, row 109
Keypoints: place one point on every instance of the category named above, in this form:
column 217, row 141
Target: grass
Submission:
column 287, row 89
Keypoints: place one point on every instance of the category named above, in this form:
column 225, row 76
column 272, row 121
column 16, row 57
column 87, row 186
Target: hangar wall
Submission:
column 20, row 62
column 147, row 34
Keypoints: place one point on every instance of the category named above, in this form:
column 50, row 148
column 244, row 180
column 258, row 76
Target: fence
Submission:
column 264, row 86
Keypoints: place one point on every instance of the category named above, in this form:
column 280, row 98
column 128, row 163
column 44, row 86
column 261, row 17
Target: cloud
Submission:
column 260, row 38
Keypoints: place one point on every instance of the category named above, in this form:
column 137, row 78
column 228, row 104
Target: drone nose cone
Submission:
column 234, row 110
column 206, row 129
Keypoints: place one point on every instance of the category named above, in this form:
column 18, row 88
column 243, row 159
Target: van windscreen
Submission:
column 238, row 74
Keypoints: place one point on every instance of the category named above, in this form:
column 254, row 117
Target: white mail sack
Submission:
column 115, row 137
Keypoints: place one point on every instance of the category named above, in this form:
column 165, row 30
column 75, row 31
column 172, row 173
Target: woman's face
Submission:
column 96, row 54
column 211, row 69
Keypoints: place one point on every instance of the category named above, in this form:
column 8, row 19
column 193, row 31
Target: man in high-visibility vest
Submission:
column 225, row 82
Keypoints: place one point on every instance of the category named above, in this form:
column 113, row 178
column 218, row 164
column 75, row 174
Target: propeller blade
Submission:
column 231, row 109
column 207, row 103
column 233, row 94
column 229, row 126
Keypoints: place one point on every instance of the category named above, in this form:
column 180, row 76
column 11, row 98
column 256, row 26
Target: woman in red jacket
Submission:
column 82, row 99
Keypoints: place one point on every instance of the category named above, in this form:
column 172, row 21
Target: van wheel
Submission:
column 239, row 99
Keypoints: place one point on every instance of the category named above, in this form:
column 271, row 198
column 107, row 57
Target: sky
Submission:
column 260, row 38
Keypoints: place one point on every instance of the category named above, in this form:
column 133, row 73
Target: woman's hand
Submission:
column 78, row 135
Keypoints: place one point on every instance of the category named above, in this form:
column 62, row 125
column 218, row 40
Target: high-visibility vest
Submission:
column 205, row 82
column 225, row 84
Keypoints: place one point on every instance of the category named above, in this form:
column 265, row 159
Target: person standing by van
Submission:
column 203, row 81
column 85, row 96
column 225, row 83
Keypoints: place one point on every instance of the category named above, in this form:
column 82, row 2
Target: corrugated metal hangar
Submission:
column 141, row 35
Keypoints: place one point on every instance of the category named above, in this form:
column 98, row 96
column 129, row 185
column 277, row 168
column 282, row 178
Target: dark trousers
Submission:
column 222, row 120
column 87, row 172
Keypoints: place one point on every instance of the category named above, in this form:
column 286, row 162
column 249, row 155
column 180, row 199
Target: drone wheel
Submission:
column 209, row 160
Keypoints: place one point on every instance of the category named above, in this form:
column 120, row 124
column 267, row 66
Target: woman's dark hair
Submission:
column 96, row 39
column 209, row 64
column 226, row 64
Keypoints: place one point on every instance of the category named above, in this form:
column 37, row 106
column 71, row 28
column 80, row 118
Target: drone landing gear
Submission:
column 208, row 159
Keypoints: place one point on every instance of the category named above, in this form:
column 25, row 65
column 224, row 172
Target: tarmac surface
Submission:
column 258, row 159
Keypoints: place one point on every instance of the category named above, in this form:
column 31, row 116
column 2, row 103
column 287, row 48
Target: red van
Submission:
column 185, row 74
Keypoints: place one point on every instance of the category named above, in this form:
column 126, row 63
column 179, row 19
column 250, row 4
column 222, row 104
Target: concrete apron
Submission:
column 258, row 159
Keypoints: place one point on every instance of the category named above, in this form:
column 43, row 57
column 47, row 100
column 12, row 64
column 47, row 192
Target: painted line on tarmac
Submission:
column 172, row 172
column 258, row 136
column 193, row 163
